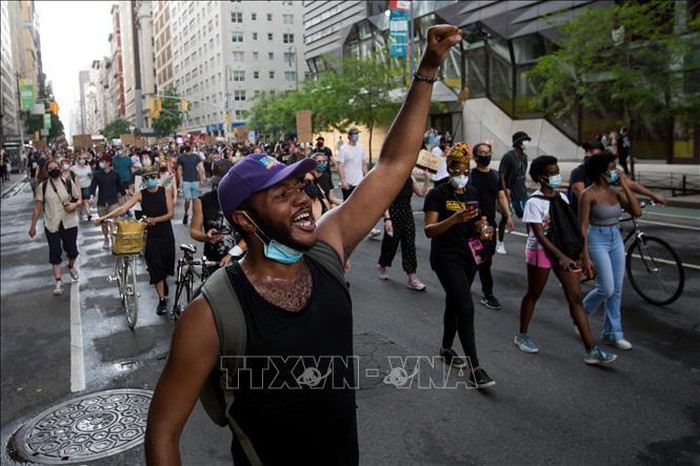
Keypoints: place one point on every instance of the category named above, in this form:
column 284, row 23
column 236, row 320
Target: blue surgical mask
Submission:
column 322, row 166
column 613, row 177
column 554, row 181
column 151, row 183
column 356, row 137
column 276, row 251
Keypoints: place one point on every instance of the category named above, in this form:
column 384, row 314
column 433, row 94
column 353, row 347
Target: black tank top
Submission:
column 155, row 205
column 288, row 419
column 406, row 192
column 213, row 218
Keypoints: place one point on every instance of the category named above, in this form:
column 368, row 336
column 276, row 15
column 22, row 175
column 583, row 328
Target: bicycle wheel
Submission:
column 655, row 270
column 131, row 296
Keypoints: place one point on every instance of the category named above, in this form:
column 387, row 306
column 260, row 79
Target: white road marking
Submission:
column 77, row 363
column 672, row 225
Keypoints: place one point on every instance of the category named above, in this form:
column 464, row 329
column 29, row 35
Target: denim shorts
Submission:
column 190, row 189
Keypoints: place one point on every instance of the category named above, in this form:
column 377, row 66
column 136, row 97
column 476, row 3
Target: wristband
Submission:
column 235, row 251
column 419, row 77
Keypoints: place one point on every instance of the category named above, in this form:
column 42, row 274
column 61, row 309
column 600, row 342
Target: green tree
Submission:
column 632, row 56
column 34, row 123
column 169, row 119
column 116, row 128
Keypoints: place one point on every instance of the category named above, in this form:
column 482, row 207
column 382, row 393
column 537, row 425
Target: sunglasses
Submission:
column 150, row 177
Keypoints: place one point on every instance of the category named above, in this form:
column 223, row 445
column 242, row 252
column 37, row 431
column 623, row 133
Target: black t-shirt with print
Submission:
column 451, row 245
column 488, row 185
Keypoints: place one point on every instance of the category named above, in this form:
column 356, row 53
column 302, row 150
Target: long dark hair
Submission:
column 43, row 174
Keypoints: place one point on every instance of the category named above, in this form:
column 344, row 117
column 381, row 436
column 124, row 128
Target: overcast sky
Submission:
column 73, row 34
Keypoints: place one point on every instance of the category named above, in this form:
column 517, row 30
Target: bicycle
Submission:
column 187, row 270
column 128, row 243
column 653, row 267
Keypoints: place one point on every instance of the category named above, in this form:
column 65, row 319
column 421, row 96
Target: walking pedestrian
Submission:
column 599, row 213
column 491, row 194
column 352, row 163
column 623, row 148
column 400, row 227
column 512, row 169
column 107, row 183
column 58, row 200
column 190, row 174
column 452, row 223
column 543, row 256
column 289, row 286
column 83, row 174
column 157, row 207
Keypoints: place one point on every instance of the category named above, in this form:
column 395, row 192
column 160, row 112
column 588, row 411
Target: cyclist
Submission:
column 157, row 207
column 600, row 207
column 209, row 226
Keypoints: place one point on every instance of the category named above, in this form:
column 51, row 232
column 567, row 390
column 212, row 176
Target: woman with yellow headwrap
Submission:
column 452, row 212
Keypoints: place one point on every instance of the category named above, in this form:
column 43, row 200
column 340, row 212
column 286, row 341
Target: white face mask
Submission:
column 65, row 167
column 460, row 181
column 525, row 144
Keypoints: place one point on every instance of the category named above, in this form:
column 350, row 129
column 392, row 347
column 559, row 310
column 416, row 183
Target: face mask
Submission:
column 319, row 145
column 55, row 173
column 460, row 181
column 81, row 162
column 276, row 251
column 65, row 167
column 151, row 183
column 102, row 164
column 613, row 177
column 525, row 144
column 146, row 162
column 356, row 137
column 321, row 166
column 554, row 181
column 483, row 160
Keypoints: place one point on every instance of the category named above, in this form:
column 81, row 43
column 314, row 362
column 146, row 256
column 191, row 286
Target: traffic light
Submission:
column 183, row 104
column 156, row 105
column 53, row 107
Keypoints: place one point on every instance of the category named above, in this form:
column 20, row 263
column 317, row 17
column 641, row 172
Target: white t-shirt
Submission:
column 352, row 158
column 442, row 170
column 537, row 211
column 83, row 173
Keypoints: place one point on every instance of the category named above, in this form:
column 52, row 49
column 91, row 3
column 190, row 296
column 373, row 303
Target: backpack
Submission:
column 44, row 185
column 565, row 232
column 217, row 395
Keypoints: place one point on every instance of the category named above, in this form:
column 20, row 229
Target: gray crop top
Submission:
column 605, row 215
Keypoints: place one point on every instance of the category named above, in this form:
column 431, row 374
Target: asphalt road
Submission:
column 548, row 408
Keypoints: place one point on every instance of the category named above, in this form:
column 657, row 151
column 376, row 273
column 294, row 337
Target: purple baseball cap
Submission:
column 254, row 173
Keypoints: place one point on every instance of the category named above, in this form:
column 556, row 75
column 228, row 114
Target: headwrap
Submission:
column 461, row 152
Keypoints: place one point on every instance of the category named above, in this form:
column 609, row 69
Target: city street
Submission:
column 548, row 408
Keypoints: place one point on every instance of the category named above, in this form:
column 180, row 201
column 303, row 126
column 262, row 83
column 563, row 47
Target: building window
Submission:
column 288, row 38
column 272, row 75
column 289, row 58
column 256, row 55
column 238, row 75
column 237, row 37
column 239, row 96
column 287, row 19
column 236, row 17
column 269, row 36
column 290, row 76
column 253, row 16
column 271, row 55
column 269, row 16
column 255, row 36
column 256, row 74
column 238, row 57
column 241, row 115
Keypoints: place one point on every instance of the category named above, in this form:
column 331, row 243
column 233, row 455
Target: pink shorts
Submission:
column 538, row 258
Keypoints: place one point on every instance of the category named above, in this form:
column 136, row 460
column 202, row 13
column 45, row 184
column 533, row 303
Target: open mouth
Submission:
column 304, row 220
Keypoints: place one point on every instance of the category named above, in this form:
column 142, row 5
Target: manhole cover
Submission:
column 87, row 428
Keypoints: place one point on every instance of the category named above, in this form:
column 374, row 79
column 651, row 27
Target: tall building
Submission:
column 163, row 44
column 116, row 74
column 226, row 53
column 106, row 110
column 84, row 79
column 137, row 46
column 8, row 84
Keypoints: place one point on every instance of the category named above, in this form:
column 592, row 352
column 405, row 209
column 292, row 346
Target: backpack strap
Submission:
column 231, row 328
column 328, row 258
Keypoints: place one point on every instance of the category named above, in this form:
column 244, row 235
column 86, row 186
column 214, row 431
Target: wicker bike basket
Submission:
column 129, row 238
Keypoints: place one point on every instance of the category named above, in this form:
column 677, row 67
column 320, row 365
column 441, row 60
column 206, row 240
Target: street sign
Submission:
column 398, row 33
column 26, row 93
column 47, row 121
column 44, row 132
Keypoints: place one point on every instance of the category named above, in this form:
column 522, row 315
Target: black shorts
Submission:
column 66, row 237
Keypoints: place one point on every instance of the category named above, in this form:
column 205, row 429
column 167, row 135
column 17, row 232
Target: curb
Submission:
column 14, row 184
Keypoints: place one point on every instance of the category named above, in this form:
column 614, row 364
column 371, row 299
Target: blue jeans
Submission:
column 607, row 251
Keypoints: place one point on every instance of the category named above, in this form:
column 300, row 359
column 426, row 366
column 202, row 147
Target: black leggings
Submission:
column 405, row 233
column 485, row 269
column 459, row 308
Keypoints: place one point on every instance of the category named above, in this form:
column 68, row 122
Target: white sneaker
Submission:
column 382, row 273
column 375, row 235
column 501, row 248
column 74, row 274
column 58, row 289
column 619, row 344
column 415, row 284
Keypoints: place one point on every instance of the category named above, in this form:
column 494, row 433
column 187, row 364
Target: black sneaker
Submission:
column 491, row 302
column 162, row 307
column 184, row 219
column 480, row 379
column 452, row 360
column 89, row 217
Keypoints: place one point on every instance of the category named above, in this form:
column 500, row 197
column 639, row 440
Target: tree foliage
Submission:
column 353, row 91
column 629, row 56
column 169, row 119
column 116, row 128
column 35, row 123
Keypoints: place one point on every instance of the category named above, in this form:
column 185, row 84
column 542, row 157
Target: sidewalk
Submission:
column 15, row 179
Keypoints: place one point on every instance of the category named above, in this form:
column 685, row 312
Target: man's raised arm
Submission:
column 344, row 227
